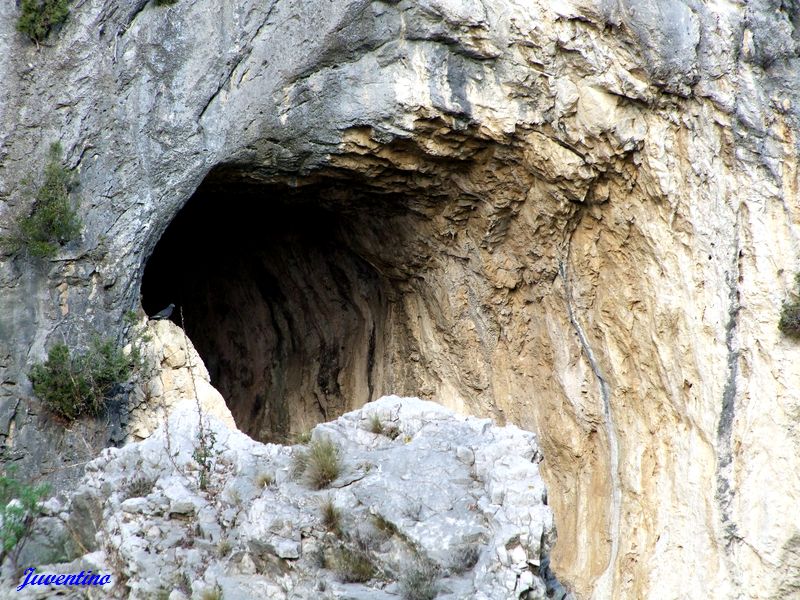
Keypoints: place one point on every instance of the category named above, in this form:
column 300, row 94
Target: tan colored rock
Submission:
column 178, row 375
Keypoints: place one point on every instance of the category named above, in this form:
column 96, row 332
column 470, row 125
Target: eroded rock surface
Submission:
column 594, row 223
column 172, row 372
column 458, row 493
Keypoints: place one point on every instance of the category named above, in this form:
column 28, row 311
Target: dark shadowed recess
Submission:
column 281, row 295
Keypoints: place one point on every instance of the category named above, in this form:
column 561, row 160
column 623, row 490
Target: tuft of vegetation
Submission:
column 165, row 2
column 375, row 424
column 20, row 506
column 331, row 517
column 264, row 480
column 377, row 427
column 420, row 581
column 37, row 18
column 139, row 487
column 53, row 220
column 224, row 548
column 73, row 385
column 214, row 593
column 301, row 437
column 384, row 525
column 464, row 558
column 353, row 564
column 320, row 463
column 789, row 323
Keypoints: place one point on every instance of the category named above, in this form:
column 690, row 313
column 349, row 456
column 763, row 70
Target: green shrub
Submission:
column 319, row 463
column 38, row 17
column 53, row 221
column 19, row 508
column 75, row 385
column 789, row 323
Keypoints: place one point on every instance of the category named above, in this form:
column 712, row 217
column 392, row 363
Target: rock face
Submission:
column 458, row 493
column 174, row 371
column 578, row 216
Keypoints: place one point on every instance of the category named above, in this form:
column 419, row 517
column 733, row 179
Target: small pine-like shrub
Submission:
column 19, row 508
column 53, row 221
column 38, row 17
column 73, row 385
column 789, row 323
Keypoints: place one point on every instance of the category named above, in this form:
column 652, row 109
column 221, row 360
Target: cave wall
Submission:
column 604, row 221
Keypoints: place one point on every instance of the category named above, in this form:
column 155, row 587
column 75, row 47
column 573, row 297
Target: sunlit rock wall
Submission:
column 603, row 222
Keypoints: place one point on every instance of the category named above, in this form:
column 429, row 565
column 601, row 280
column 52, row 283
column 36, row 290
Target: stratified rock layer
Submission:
column 594, row 222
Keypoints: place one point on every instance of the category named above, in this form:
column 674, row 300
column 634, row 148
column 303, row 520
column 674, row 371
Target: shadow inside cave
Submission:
column 284, row 292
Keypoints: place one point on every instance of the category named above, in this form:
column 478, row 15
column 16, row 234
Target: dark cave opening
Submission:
column 281, row 296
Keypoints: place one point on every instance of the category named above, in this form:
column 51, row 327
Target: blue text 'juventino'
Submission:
column 82, row 578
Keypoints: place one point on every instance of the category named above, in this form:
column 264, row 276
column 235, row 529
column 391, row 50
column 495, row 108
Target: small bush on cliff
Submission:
column 73, row 385
column 38, row 17
column 19, row 508
column 53, row 220
column 789, row 323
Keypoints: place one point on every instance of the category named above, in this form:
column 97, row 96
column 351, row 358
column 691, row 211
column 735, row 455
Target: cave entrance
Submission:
column 283, row 294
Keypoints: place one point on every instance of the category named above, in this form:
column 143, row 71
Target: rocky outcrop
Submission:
column 459, row 494
column 172, row 372
column 579, row 216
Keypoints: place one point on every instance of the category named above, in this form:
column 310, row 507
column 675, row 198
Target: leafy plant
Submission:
column 38, row 17
column 53, row 220
column 20, row 505
column 205, row 453
column 789, row 323
column 73, row 385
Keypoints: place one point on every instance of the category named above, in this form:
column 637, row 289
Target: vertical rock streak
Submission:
column 604, row 584
column 724, row 473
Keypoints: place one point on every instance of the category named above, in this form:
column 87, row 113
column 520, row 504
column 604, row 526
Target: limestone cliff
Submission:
column 577, row 216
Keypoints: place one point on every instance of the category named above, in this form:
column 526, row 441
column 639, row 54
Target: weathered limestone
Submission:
column 460, row 492
column 174, row 372
column 596, row 222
